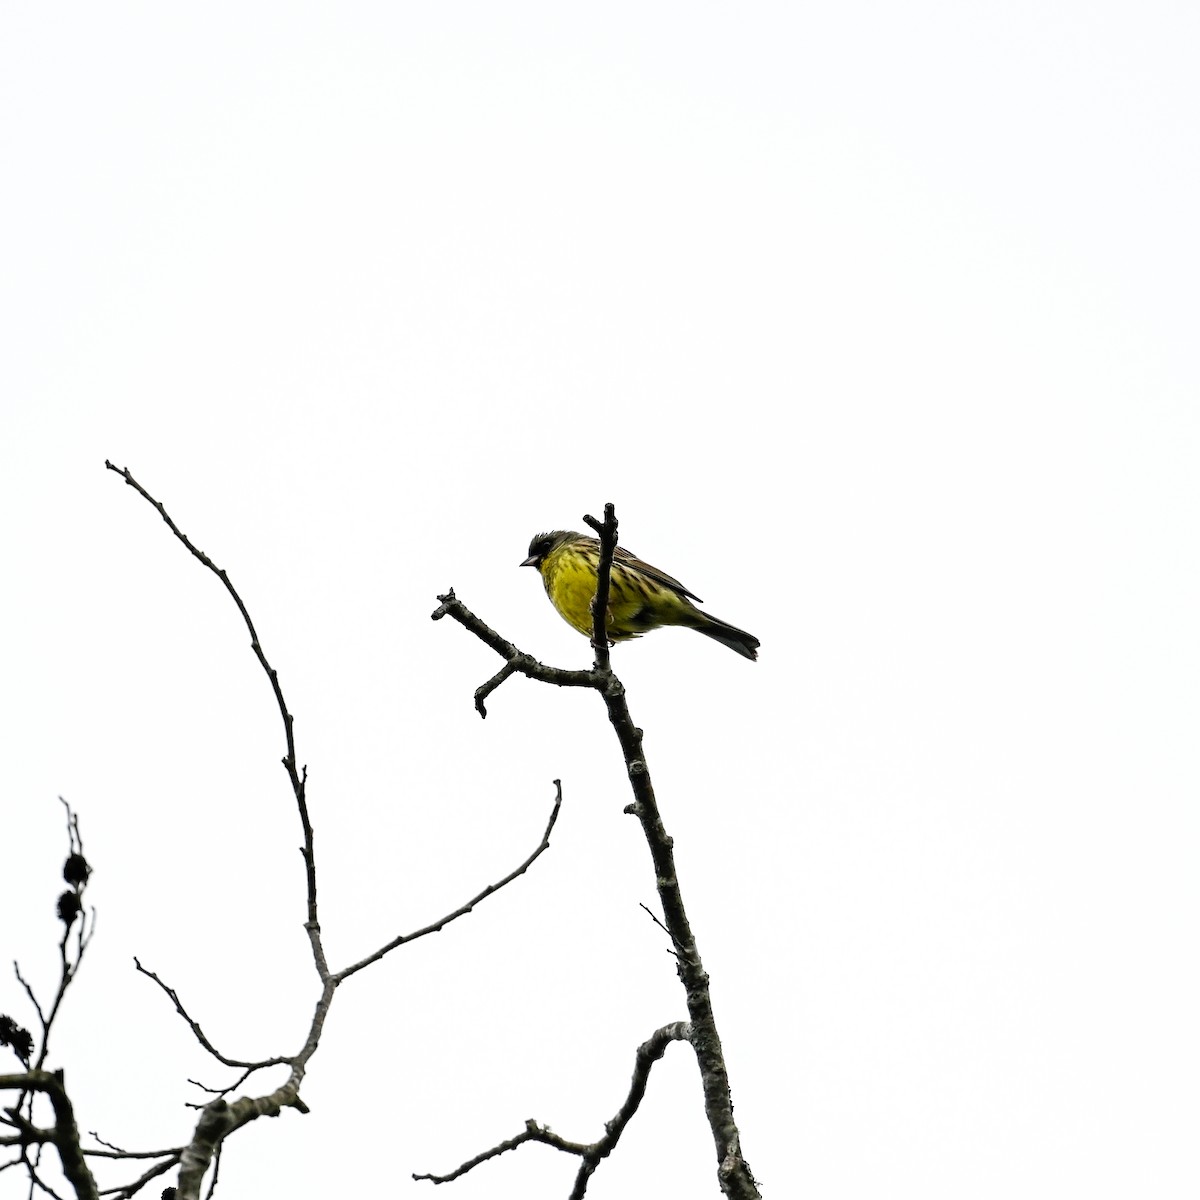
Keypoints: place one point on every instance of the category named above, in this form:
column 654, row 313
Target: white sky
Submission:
column 878, row 325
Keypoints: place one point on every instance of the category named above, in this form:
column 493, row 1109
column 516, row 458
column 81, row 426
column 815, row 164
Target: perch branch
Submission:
column 733, row 1172
column 607, row 529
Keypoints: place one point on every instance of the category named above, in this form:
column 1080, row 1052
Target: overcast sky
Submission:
column 878, row 325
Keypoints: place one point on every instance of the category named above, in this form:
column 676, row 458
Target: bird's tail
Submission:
column 746, row 644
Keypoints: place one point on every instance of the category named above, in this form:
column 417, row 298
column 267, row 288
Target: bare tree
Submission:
column 198, row 1157
column 219, row 1117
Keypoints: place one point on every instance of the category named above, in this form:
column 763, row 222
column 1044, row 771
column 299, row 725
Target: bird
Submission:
column 640, row 598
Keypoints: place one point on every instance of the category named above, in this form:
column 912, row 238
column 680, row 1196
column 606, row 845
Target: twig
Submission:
column 216, row 1173
column 657, row 922
column 297, row 778
column 491, row 888
column 129, row 1190
column 237, row 1083
column 517, row 661
column 277, row 1061
column 29, row 992
column 592, row 1153
column 36, row 1180
column 116, row 1152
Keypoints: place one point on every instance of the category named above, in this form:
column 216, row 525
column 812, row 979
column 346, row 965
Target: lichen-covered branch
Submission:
column 64, row 1136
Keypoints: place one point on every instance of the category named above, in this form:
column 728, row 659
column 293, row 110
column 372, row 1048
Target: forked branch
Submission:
column 591, row 1153
column 29, row 1138
column 220, row 1117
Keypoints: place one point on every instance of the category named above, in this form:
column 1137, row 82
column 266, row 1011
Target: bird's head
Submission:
column 544, row 543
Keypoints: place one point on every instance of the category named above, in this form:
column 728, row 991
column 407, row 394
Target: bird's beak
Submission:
column 530, row 562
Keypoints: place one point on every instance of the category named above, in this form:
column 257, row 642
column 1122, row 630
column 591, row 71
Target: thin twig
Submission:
column 491, row 888
column 233, row 1087
column 201, row 1037
column 661, row 926
column 36, row 1180
column 216, row 1173
column 29, row 992
column 297, row 778
column 117, row 1152
column 129, row 1190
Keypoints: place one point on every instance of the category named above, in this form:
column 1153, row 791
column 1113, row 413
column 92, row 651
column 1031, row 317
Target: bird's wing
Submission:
column 633, row 563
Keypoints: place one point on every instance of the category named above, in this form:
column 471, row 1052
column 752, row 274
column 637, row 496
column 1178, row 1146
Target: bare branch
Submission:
column 128, row 1190
column 592, row 1153
column 237, row 1083
column 112, row 1151
column 485, row 690
column 32, row 998
column 200, row 1035
column 65, row 1134
column 733, row 1172
column 608, row 545
column 37, row 1181
column 542, row 847
column 516, row 661
column 298, row 780
column 532, row 1132
column 648, row 1053
column 76, row 872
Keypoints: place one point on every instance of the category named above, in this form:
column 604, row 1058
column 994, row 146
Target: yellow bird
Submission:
column 641, row 597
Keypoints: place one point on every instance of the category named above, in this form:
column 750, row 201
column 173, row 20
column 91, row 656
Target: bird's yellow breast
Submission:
column 569, row 575
column 635, row 603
